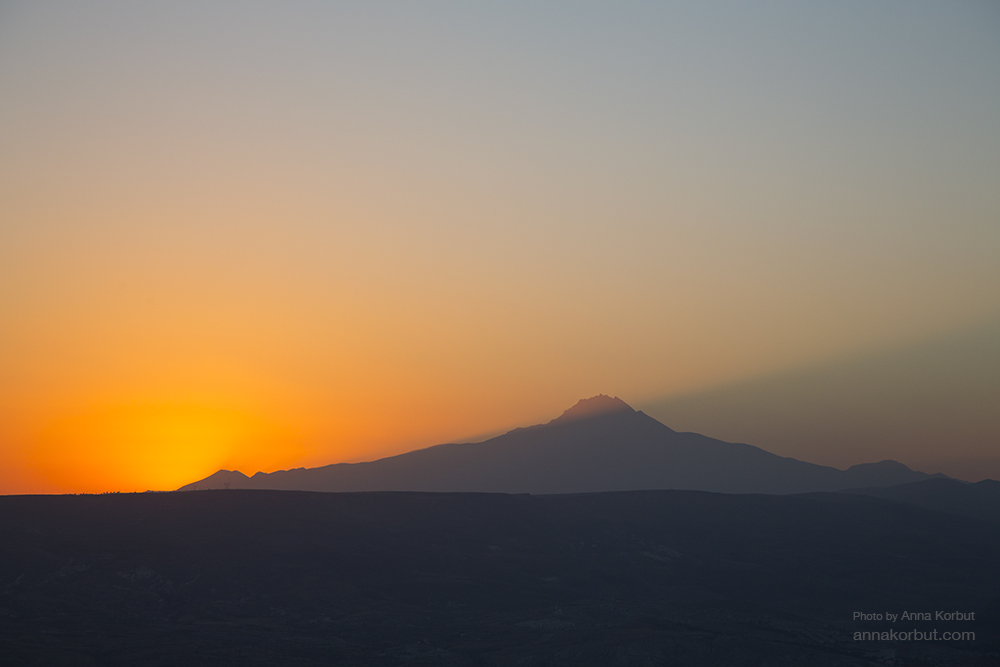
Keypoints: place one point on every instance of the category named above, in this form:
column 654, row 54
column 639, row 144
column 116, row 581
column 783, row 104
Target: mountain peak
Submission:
column 885, row 464
column 595, row 406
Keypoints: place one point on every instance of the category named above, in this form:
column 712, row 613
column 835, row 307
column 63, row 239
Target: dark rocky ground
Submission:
column 636, row 578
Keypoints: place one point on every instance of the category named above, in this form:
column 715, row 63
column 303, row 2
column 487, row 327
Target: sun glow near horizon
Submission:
column 154, row 446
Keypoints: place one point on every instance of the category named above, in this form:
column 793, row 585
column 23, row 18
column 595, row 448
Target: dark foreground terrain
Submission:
column 635, row 578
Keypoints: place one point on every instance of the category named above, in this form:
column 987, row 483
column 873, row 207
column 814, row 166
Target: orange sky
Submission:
column 316, row 234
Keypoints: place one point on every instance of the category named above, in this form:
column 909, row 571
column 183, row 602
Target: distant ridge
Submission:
column 980, row 500
column 599, row 444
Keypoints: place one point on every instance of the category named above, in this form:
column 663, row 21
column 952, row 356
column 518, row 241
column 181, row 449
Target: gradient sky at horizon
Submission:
column 265, row 235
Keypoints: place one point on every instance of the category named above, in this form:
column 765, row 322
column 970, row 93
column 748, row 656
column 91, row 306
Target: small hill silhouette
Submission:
column 599, row 444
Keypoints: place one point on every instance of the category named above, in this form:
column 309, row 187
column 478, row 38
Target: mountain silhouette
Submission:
column 599, row 444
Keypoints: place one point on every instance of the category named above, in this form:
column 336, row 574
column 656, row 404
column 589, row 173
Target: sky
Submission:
column 258, row 236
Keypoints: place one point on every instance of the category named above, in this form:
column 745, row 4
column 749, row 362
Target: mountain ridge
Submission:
column 980, row 500
column 599, row 444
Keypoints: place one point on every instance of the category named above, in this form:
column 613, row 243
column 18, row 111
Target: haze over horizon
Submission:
column 257, row 237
